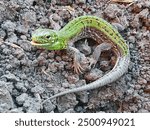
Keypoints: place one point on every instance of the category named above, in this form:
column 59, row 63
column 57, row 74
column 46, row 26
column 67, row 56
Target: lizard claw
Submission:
column 77, row 68
column 92, row 62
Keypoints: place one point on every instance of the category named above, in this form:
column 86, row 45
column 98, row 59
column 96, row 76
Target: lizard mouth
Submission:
column 34, row 43
column 38, row 44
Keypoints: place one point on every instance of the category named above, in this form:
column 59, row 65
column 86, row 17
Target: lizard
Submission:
column 86, row 27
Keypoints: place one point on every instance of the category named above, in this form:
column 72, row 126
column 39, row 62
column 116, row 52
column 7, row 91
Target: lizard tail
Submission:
column 119, row 69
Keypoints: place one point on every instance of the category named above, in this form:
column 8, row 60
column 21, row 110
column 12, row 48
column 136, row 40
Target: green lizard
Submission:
column 86, row 27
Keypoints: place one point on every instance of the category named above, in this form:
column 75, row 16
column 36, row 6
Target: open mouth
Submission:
column 34, row 43
column 38, row 44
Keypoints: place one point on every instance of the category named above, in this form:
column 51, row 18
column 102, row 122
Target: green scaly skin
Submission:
column 58, row 40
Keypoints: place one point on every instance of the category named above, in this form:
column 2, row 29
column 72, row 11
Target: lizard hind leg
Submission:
column 97, row 52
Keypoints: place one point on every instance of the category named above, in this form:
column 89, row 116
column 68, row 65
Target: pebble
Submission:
column 12, row 38
column 48, row 107
column 32, row 105
column 93, row 75
column 2, row 33
column 11, row 77
column 72, row 79
column 6, row 101
column 22, row 29
column 37, row 89
column 119, row 27
column 20, row 86
column 22, row 98
column 25, row 44
column 111, row 11
column 29, row 17
column 8, row 26
column 80, row 1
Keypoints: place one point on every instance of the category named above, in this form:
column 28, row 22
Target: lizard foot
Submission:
column 77, row 68
column 92, row 62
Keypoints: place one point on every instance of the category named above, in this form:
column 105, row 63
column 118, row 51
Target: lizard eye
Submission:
column 48, row 37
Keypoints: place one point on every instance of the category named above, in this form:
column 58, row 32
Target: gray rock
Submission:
column 22, row 98
column 11, row 77
column 22, row 29
column 6, row 101
column 2, row 33
column 38, row 89
column 25, row 45
column 20, row 86
column 111, row 10
column 48, row 106
column 93, row 75
column 31, row 105
column 12, row 38
column 80, row 1
column 8, row 26
column 66, row 102
column 23, row 37
column 29, row 17
column 83, row 96
column 118, row 26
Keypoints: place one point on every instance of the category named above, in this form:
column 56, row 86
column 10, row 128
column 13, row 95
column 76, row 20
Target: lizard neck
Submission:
column 77, row 25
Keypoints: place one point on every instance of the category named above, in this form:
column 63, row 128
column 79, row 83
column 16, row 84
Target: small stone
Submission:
column 12, row 38
column 2, row 33
column 80, row 1
column 58, row 58
column 52, row 67
column 93, row 75
column 22, row 98
column 29, row 17
column 9, row 26
column 72, row 79
column 11, row 77
column 23, row 37
column 48, row 106
column 38, row 89
column 44, row 20
column 6, row 101
column 8, row 67
column 22, row 29
column 65, row 85
column 20, row 86
column 83, row 96
column 142, row 81
column 25, row 45
column 111, row 10
column 32, row 105
column 79, row 109
column 118, row 26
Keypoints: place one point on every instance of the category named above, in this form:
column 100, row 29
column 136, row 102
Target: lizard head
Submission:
column 48, row 39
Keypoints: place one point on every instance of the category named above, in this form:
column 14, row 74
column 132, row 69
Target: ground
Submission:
column 29, row 75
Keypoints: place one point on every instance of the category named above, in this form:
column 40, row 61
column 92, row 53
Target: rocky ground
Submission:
column 29, row 75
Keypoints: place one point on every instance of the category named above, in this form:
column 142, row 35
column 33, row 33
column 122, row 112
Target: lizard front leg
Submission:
column 77, row 57
column 97, row 52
